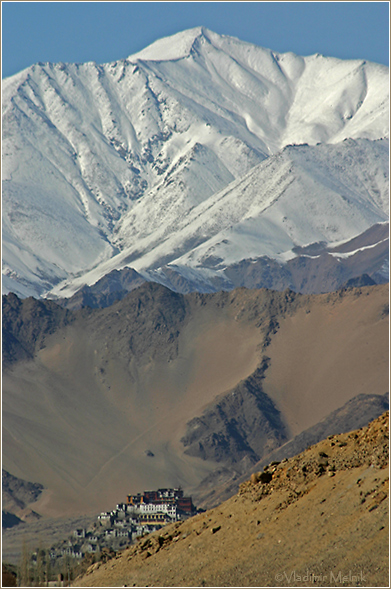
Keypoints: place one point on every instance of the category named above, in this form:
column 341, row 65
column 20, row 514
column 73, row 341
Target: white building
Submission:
column 167, row 508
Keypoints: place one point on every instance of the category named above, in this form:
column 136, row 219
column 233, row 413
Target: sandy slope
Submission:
column 85, row 427
column 324, row 355
column 82, row 416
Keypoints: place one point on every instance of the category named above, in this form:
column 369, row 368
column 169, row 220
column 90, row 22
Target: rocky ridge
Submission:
column 17, row 495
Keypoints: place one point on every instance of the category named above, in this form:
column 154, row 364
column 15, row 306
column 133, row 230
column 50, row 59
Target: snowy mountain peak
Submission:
column 171, row 48
column 119, row 163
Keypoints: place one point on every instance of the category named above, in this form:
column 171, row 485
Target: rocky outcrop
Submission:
column 25, row 325
column 240, row 428
column 111, row 288
column 364, row 447
column 17, row 495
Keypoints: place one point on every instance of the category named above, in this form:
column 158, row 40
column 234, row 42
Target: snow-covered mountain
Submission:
column 187, row 157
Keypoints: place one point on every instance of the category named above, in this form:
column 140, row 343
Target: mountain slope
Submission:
column 202, row 382
column 100, row 158
column 303, row 195
column 318, row 518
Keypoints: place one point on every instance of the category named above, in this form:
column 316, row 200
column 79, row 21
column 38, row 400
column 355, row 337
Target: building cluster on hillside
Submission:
column 167, row 501
column 141, row 514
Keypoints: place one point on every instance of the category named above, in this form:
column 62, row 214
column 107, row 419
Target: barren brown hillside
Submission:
column 162, row 389
column 319, row 518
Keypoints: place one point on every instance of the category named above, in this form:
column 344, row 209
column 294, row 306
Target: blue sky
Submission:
column 106, row 31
